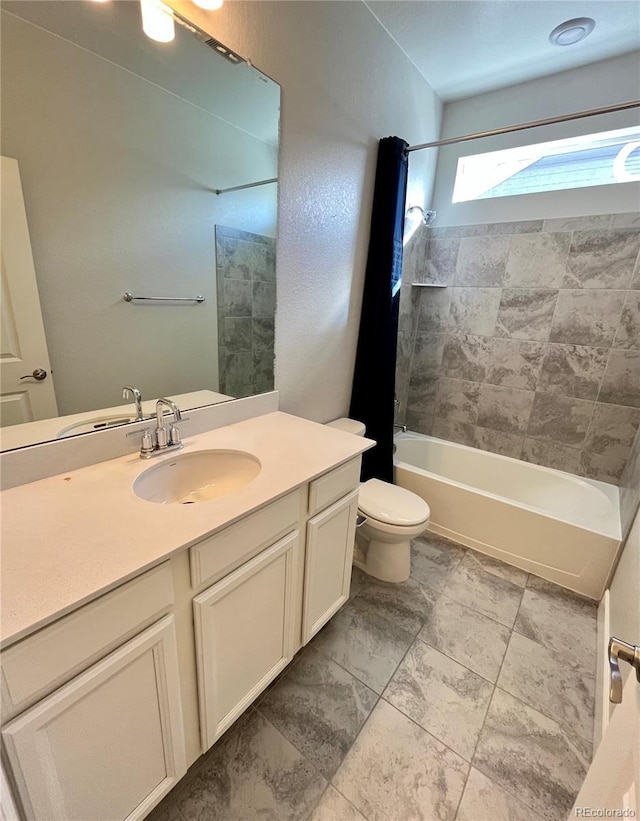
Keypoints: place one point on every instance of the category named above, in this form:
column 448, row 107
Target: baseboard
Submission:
column 601, row 719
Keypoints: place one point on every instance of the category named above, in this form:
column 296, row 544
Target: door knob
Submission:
column 630, row 653
column 39, row 374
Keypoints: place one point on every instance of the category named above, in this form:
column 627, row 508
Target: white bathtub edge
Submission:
column 566, row 580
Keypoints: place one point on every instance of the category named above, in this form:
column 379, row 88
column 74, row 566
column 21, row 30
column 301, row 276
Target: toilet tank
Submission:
column 348, row 426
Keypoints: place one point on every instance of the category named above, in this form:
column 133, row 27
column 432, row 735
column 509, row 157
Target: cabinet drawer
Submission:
column 37, row 665
column 218, row 555
column 333, row 486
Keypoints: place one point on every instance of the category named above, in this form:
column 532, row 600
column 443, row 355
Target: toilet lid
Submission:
column 391, row 504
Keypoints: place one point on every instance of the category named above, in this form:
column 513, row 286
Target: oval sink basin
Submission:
column 197, row 477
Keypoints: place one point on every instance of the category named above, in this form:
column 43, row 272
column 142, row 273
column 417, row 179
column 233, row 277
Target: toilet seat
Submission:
column 393, row 508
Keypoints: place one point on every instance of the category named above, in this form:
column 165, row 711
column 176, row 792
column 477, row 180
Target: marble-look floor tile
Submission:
column 466, row 636
column 531, row 757
column 364, row 642
column 334, row 806
column 433, row 558
column 447, row 699
column 320, row 708
column 485, row 592
column 166, row 809
column 358, row 580
column 498, row 568
column 407, row 604
column 396, row 770
column 546, row 681
column 558, row 619
column 252, row 772
column 485, row 801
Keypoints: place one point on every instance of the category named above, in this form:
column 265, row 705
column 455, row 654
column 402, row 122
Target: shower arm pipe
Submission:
column 246, row 185
column 564, row 118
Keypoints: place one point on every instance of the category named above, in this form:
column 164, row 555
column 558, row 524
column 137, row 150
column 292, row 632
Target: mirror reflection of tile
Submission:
column 246, row 277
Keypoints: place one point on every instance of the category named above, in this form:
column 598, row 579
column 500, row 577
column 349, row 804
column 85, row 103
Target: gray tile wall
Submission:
column 246, row 282
column 533, row 348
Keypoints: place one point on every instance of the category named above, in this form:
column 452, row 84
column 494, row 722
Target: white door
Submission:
column 245, row 635
column 613, row 779
column 109, row 744
column 24, row 345
column 329, row 558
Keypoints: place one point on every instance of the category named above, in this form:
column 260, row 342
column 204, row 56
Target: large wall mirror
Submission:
column 125, row 258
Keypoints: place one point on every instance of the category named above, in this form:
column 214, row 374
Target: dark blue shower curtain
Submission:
column 374, row 378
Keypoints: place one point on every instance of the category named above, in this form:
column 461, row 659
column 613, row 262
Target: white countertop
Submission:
column 74, row 536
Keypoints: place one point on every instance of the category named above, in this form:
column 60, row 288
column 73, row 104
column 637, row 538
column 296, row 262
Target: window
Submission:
column 606, row 158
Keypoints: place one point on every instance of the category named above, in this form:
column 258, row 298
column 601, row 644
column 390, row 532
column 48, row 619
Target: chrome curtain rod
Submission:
column 246, row 185
column 523, row 126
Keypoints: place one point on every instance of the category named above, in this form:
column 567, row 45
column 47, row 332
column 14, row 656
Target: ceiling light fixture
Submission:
column 209, row 5
column 572, row 31
column 157, row 21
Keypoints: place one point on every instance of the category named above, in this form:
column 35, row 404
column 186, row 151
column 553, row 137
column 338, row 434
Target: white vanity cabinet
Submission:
column 109, row 705
column 109, row 743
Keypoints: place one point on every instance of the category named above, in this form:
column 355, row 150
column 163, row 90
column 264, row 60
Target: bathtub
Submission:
column 561, row 527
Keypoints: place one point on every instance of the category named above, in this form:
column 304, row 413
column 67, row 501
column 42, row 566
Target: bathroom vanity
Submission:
column 134, row 634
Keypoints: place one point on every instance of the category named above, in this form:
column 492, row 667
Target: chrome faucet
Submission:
column 137, row 400
column 161, row 431
column 158, row 441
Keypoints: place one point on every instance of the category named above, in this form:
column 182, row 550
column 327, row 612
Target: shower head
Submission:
column 428, row 217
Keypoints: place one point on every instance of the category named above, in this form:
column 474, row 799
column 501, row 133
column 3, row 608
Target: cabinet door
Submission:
column 244, row 635
column 110, row 743
column 329, row 556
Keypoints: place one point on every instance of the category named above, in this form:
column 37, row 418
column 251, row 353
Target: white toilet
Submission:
column 392, row 517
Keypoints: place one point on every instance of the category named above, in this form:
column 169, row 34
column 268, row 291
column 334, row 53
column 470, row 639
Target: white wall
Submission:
column 345, row 84
column 119, row 201
column 605, row 83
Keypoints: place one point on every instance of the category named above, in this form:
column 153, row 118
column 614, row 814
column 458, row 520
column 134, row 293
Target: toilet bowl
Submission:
column 389, row 517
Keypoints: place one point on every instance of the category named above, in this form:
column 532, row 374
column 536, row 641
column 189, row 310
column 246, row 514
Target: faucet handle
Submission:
column 147, row 446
